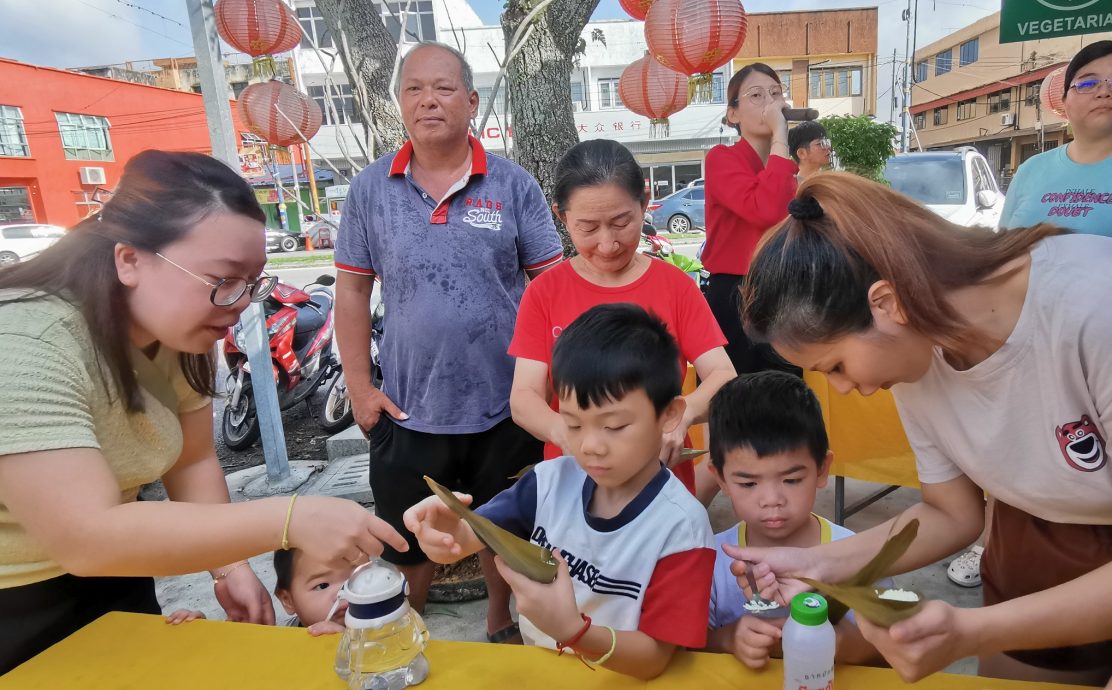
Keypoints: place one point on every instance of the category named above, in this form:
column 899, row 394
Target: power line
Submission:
column 126, row 21
column 156, row 14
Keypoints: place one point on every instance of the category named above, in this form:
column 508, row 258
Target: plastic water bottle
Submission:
column 808, row 644
column 383, row 646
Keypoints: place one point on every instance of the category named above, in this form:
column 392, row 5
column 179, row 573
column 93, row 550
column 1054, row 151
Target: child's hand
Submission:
column 183, row 616
column 439, row 530
column 551, row 607
column 756, row 639
column 325, row 628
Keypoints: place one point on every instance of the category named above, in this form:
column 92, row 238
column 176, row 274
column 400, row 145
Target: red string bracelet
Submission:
column 561, row 646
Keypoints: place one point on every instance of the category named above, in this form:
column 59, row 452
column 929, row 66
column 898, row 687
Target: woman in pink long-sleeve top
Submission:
column 748, row 187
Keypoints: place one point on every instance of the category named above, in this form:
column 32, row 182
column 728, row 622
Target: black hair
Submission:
column 803, row 135
column 734, row 87
column 283, row 569
column 769, row 412
column 1093, row 51
column 596, row 162
column 611, row 350
column 160, row 197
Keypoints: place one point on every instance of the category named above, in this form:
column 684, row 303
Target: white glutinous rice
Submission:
column 898, row 595
column 753, row 606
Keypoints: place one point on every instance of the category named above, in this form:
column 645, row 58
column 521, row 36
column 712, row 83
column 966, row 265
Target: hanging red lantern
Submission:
column 1052, row 92
column 259, row 106
column 695, row 37
column 258, row 27
column 636, row 8
column 649, row 88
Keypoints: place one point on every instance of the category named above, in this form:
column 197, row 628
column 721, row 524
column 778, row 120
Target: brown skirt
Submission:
column 1026, row 554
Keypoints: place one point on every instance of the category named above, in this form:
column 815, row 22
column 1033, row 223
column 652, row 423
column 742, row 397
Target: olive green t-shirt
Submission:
column 53, row 397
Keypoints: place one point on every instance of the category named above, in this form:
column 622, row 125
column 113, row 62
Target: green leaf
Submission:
column 524, row 557
column 867, row 603
column 894, row 548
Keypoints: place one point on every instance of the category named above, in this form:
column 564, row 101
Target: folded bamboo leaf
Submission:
column 894, row 548
column 521, row 473
column 692, row 453
column 867, row 603
column 524, row 557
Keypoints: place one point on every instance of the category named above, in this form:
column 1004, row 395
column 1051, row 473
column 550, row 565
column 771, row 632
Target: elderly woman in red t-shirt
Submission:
column 600, row 197
column 748, row 187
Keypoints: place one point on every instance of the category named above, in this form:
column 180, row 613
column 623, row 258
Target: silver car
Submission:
column 956, row 185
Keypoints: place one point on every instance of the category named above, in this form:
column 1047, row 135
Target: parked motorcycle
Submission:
column 338, row 414
column 299, row 324
column 654, row 244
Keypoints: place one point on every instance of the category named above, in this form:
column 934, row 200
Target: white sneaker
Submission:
column 965, row 570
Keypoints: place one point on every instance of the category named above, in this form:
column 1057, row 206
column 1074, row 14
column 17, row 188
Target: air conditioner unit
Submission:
column 1007, row 119
column 92, row 176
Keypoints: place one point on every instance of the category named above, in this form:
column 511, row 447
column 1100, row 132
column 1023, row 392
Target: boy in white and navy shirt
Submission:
column 638, row 547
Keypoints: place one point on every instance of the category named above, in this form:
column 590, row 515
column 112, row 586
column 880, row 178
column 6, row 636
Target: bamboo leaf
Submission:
column 524, row 557
column 867, row 603
column 894, row 548
column 692, row 453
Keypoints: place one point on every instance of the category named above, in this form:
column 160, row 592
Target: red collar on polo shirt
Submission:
column 404, row 157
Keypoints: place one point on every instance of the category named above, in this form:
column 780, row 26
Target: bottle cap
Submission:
column 809, row 608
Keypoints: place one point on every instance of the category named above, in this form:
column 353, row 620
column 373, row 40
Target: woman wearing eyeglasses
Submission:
column 748, row 187
column 107, row 371
column 1071, row 186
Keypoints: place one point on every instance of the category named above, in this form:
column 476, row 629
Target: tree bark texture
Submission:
column 540, row 89
column 368, row 51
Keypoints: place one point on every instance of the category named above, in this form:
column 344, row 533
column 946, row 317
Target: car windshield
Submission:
column 938, row 181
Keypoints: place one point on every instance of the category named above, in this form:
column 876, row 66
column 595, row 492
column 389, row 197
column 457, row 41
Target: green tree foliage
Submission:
column 862, row 144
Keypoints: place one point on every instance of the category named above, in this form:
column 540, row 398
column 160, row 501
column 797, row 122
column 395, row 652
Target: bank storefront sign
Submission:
column 1031, row 20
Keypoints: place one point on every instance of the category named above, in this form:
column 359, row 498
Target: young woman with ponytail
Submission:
column 107, row 371
column 996, row 348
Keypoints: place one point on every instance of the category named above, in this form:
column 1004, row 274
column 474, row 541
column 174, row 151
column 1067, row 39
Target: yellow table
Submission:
column 125, row 651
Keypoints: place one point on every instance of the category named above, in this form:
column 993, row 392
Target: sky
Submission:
column 71, row 33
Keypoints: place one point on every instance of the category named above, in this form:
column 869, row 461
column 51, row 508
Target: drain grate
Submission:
column 346, row 477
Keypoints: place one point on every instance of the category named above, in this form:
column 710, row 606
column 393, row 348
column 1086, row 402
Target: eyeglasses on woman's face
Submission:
column 1090, row 84
column 228, row 291
column 759, row 95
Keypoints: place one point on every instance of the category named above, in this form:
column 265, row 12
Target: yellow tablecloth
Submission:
column 866, row 435
column 136, row 652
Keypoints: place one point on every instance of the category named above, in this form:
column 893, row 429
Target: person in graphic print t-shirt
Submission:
column 995, row 346
column 599, row 195
column 1071, row 185
column 452, row 231
column 634, row 548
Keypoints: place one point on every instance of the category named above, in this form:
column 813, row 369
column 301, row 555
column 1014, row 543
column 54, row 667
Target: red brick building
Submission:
column 65, row 134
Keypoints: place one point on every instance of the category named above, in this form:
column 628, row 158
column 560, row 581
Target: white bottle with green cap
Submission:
column 808, row 644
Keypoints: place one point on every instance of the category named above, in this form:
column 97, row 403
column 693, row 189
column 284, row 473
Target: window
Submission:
column 968, row 52
column 697, row 194
column 718, row 91
column 13, row 138
column 484, row 100
column 578, row 94
column 967, row 109
column 84, row 137
column 786, row 80
column 312, row 21
column 420, row 23
column 1032, row 94
column 982, row 178
column 920, row 120
column 1000, row 102
column 835, row 82
column 341, row 101
column 608, row 96
column 943, row 62
column 921, row 71
column 237, row 88
column 31, row 232
column 941, row 115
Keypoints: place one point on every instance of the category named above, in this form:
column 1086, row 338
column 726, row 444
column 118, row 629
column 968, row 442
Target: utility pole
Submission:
column 214, row 91
column 892, row 92
column 911, row 17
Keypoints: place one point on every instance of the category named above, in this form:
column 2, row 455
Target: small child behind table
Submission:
column 635, row 548
column 770, row 455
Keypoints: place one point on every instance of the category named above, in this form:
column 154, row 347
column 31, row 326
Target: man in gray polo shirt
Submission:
column 452, row 232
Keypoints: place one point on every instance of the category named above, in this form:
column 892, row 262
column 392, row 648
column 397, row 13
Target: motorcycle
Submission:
column 299, row 324
column 653, row 244
column 338, row 414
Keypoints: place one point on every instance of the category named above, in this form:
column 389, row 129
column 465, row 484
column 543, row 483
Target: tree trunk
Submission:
column 540, row 87
column 368, row 51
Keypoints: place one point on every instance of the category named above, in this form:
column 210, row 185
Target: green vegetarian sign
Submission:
column 1030, row 20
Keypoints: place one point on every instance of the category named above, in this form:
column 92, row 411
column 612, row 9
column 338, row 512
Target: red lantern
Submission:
column 695, row 37
column 636, row 8
column 649, row 88
column 259, row 105
column 1052, row 92
column 258, row 27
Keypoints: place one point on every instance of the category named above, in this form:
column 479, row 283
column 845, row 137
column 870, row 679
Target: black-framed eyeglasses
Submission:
column 228, row 291
column 1090, row 85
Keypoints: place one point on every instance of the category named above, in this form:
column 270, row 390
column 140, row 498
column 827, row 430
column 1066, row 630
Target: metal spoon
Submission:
column 757, row 605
